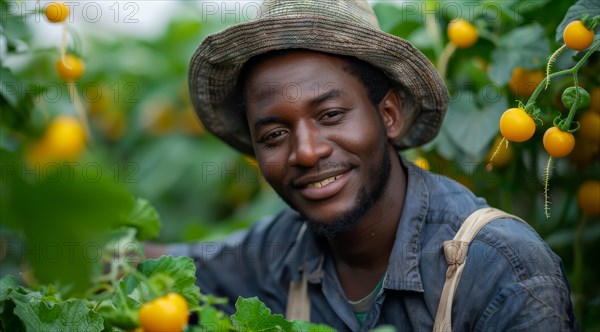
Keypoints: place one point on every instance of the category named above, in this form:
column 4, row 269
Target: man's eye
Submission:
column 332, row 115
column 273, row 137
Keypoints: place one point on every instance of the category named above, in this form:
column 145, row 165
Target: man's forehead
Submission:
column 296, row 74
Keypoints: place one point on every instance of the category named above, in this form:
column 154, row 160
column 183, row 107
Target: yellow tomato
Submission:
column 595, row 99
column 558, row 143
column 577, row 37
column 64, row 140
column 588, row 197
column 523, row 82
column 584, row 152
column 502, row 157
column 70, row 67
column 56, row 12
column 165, row 314
column 516, row 125
column 462, row 33
column 590, row 126
column 422, row 162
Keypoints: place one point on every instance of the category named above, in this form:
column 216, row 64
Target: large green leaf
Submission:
column 181, row 270
column 473, row 128
column 525, row 46
column 37, row 311
column 397, row 20
column 144, row 219
column 71, row 315
column 253, row 315
column 65, row 213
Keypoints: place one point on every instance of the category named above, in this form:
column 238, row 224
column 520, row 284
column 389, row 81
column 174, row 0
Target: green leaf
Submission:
column 473, row 127
column 385, row 328
column 144, row 219
column 183, row 272
column 65, row 215
column 590, row 7
column 8, row 320
column 71, row 315
column 253, row 315
column 396, row 21
column 22, row 308
column 526, row 47
column 9, row 87
column 212, row 319
column 7, row 284
column 117, row 315
column 301, row 325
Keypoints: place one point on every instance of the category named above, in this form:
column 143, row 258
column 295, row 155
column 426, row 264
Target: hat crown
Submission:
column 356, row 11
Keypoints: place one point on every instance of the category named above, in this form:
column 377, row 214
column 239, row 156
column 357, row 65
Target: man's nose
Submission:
column 308, row 146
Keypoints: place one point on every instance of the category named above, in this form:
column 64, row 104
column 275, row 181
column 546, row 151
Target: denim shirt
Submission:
column 512, row 281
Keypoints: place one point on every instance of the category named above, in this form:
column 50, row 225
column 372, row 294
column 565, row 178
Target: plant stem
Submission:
column 114, row 270
column 566, row 125
column 551, row 61
column 445, row 58
column 572, row 70
column 546, row 194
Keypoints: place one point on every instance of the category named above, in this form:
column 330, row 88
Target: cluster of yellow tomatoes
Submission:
column 517, row 125
column 65, row 137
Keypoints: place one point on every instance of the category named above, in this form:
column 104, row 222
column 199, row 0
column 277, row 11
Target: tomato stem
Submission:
column 566, row 125
column 114, row 268
column 503, row 140
column 551, row 61
column 546, row 185
column 589, row 23
column 445, row 58
column 530, row 103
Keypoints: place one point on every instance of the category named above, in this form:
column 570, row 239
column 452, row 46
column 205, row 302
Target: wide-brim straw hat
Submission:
column 329, row 26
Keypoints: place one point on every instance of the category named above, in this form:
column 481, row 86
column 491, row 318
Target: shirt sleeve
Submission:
column 540, row 303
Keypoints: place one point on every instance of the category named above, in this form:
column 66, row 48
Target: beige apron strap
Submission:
column 456, row 253
column 298, row 305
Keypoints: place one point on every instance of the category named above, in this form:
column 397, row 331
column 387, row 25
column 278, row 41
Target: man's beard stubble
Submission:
column 364, row 201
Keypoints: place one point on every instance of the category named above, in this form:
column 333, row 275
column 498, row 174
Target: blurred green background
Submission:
column 146, row 139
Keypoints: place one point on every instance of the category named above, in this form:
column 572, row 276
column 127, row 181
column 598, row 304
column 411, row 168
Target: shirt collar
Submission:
column 403, row 269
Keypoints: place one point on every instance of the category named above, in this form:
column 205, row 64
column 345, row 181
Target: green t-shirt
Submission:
column 361, row 307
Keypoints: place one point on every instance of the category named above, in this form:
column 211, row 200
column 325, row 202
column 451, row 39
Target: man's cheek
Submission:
column 271, row 170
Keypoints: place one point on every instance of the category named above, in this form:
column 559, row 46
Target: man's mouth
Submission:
column 323, row 183
column 316, row 189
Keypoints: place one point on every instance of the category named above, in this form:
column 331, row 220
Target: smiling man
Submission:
column 325, row 101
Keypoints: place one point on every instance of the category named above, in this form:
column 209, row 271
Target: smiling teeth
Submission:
column 323, row 183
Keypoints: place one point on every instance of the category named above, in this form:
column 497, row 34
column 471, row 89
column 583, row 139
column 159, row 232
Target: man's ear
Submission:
column 390, row 109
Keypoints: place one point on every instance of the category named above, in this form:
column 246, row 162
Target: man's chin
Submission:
column 344, row 223
column 330, row 229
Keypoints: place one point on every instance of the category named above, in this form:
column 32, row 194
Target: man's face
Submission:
column 318, row 139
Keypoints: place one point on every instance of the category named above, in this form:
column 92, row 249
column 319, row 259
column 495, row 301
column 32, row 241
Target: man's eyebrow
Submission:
column 265, row 121
column 331, row 94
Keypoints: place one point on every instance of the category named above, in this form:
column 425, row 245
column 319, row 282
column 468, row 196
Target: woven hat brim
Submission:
column 215, row 65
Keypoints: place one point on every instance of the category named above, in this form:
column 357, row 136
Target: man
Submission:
column 324, row 100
